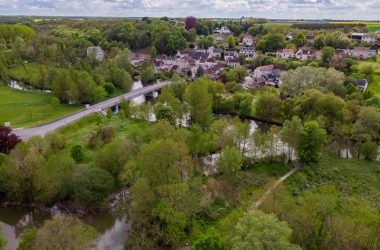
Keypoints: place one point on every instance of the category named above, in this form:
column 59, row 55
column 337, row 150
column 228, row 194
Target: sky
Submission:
column 273, row 9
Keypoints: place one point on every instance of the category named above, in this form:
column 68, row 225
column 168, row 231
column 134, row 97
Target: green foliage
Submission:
column 9, row 32
column 231, row 41
column 109, row 113
column 77, row 153
column 271, row 43
column 64, row 232
column 311, row 142
column 268, row 107
column 299, row 40
column 109, row 88
column 369, row 150
column 230, row 160
column 147, row 73
column 163, row 112
column 208, row 242
column 3, row 158
column 28, row 239
column 256, row 230
column 91, row 185
column 328, row 54
column 200, row 101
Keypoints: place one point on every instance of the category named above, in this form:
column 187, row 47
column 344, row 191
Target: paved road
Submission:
column 26, row 133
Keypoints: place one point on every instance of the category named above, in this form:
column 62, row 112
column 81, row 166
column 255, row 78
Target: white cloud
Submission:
column 308, row 9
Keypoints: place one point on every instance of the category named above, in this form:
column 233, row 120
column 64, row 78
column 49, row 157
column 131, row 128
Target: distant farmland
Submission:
column 372, row 26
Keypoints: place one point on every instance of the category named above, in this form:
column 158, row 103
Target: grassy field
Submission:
column 374, row 81
column 29, row 73
column 353, row 178
column 372, row 26
column 26, row 109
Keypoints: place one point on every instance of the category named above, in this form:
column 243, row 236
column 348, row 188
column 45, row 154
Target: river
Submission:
column 112, row 228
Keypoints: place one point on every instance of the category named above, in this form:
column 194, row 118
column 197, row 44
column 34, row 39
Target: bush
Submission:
column 209, row 242
column 28, row 239
column 91, row 185
column 369, row 150
column 77, row 153
column 109, row 88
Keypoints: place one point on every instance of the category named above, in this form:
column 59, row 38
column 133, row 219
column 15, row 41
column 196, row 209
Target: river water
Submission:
column 112, row 228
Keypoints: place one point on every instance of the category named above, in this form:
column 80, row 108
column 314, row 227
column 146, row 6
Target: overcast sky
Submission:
column 308, row 9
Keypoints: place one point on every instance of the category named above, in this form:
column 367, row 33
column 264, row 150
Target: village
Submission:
column 211, row 62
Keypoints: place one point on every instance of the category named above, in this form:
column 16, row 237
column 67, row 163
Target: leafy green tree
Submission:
column 200, row 101
column 299, row 40
column 257, row 30
column 260, row 231
column 290, row 133
column 192, row 35
column 311, row 141
column 268, row 107
column 123, row 61
column 147, row 73
column 230, row 160
column 369, row 150
column 163, row 112
column 208, row 242
column 64, row 232
column 153, row 52
column 319, row 42
column 91, row 185
column 231, row 41
column 109, row 88
column 328, row 54
column 77, row 153
column 271, row 43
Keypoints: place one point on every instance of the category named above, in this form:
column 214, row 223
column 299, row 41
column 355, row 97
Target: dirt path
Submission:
column 296, row 166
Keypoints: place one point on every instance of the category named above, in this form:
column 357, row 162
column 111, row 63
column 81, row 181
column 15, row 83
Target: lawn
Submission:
column 29, row 73
column 353, row 178
column 26, row 109
column 374, row 81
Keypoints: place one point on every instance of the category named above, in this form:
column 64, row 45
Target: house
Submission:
column 290, row 35
column 230, row 55
column 222, row 30
column 360, row 52
column 364, row 37
column 209, row 63
column 286, row 53
column 234, row 62
column 362, row 84
column 215, row 52
column 97, row 52
column 263, row 70
column 341, row 53
column 305, row 53
column 248, row 40
column 214, row 71
column 248, row 52
column 310, row 38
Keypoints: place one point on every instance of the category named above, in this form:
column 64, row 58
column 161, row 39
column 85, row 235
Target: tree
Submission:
column 328, row 54
column 153, row 52
column 268, row 107
column 299, row 40
column 200, row 101
column 260, row 231
column 109, row 88
column 163, row 112
column 147, row 73
column 192, row 35
column 77, row 153
column 63, row 232
column 190, row 23
column 8, row 140
column 319, row 42
column 271, row 43
column 91, row 185
column 231, row 41
column 290, row 133
column 230, row 160
column 367, row 70
column 296, row 82
column 311, row 141
column 258, row 30
column 369, row 150
column 209, row 242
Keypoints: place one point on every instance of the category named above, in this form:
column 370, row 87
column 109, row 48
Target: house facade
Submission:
column 248, row 52
column 248, row 40
column 97, row 52
column 286, row 53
